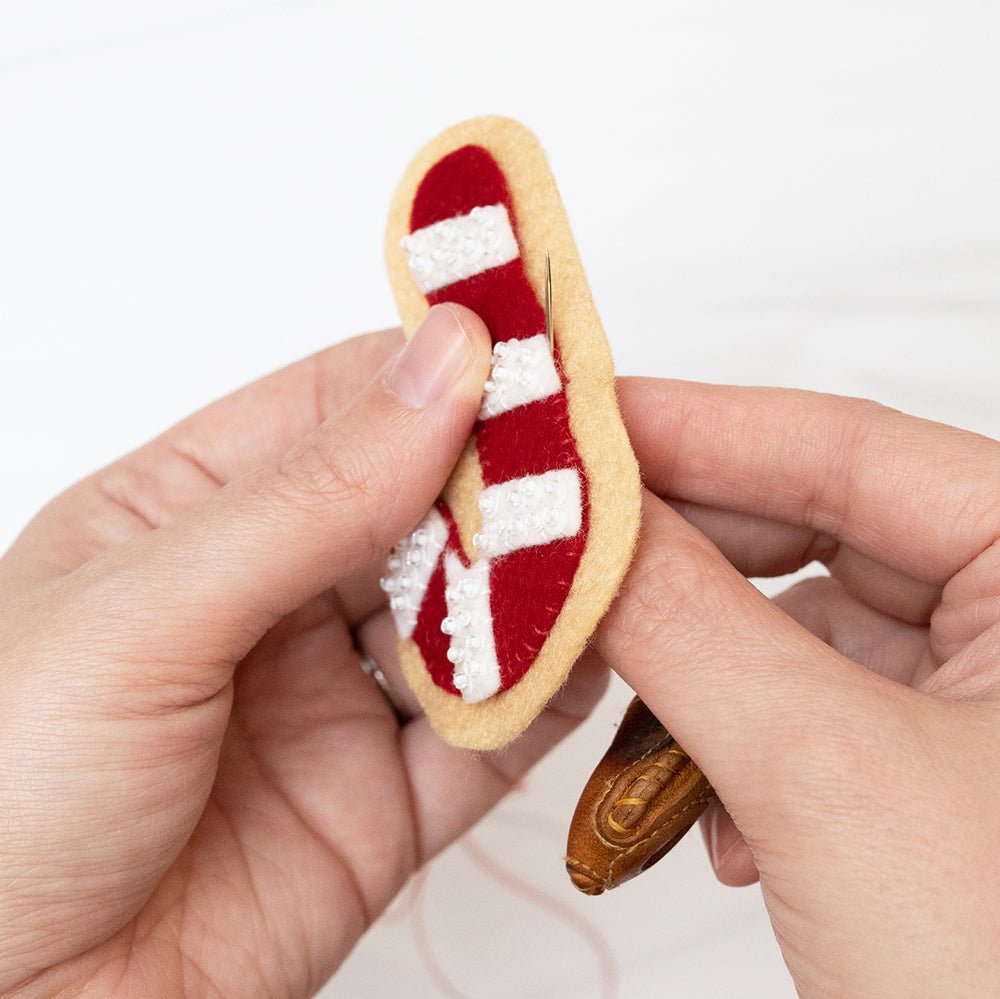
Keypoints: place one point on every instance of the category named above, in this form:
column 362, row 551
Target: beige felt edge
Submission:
column 604, row 447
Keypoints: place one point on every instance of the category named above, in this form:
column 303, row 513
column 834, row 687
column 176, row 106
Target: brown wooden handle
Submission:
column 645, row 793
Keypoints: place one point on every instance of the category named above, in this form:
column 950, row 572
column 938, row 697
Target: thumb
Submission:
column 209, row 584
column 763, row 706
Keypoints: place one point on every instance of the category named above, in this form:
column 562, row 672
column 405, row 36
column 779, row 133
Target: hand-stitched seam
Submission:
column 700, row 800
column 604, row 797
column 587, row 869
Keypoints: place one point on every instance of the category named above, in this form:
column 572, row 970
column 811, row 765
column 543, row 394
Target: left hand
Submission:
column 202, row 792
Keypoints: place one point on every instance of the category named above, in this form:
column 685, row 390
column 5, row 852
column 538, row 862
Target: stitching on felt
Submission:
column 533, row 510
column 411, row 566
column 469, row 627
column 519, row 512
column 489, row 161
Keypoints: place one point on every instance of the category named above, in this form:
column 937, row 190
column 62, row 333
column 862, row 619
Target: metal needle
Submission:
column 549, row 334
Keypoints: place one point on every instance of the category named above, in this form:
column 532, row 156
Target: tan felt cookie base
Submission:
column 611, row 469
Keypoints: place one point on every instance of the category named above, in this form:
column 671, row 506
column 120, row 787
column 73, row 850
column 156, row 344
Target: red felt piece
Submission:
column 502, row 298
column 433, row 642
column 528, row 587
column 464, row 179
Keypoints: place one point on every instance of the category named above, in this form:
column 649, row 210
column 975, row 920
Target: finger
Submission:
column 728, row 852
column 761, row 547
column 757, row 546
column 892, row 648
column 205, row 587
column 247, row 430
column 884, row 484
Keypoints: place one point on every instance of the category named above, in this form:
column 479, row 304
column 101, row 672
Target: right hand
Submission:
column 851, row 726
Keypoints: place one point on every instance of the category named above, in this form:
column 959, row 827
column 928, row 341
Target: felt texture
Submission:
column 545, row 598
column 452, row 253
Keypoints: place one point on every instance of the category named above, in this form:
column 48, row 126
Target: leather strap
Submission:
column 643, row 796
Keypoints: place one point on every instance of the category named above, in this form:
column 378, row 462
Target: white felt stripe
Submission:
column 461, row 247
column 523, row 372
column 411, row 566
column 534, row 510
column 469, row 624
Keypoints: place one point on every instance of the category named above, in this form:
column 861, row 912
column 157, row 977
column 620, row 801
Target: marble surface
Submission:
column 193, row 193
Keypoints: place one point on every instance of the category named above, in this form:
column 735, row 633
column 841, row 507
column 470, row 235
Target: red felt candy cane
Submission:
column 480, row 625
column 478, row 610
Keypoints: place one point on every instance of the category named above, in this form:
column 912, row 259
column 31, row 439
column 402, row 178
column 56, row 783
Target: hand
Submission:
column 851, row 726
column 202, row 791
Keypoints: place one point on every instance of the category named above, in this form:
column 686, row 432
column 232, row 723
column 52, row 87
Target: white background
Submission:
column 193, row 193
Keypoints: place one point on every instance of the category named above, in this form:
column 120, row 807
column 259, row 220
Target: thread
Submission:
column 415, row 911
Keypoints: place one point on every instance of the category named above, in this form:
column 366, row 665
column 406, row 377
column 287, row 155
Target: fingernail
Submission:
column 432, row 361
column 710, row 829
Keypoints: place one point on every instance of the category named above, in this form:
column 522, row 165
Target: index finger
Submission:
column 917, row 497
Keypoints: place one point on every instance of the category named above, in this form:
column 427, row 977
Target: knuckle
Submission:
column 348, row 488
column 315, row 478
column 668, row 597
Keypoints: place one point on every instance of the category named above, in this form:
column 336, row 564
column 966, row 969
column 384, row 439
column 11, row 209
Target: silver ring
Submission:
column 372, row 669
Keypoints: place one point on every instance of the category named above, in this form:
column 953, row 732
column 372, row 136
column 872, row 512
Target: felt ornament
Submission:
column 497, row 591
